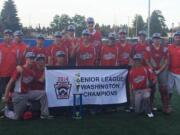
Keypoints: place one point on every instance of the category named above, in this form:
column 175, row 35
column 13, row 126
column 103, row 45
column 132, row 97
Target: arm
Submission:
column 8, row 88
column 74, row 50
column 42, row 79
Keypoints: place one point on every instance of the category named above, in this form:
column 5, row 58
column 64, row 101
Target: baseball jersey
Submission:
column 86, row 55
column 139, row 77
column 125, row 53
column 37, row 85
column 24, row 80
column 7, row 60
column 174, row 57
column 54, row 49
column 20, row 52
column 142, row 49
column 158, row 56
column 108, row 55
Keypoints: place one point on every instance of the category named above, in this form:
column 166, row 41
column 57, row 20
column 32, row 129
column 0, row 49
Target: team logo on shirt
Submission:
column 62, row 88
column 125, row 55
column 108, row 56
column 139, row 79
column 27, row 79
column 86, row 56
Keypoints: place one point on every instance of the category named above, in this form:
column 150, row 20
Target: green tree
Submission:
column 80, row 23
column 138, row 24
column 9, row 18
column 157, row 23
column 105, row 29
column 60, row 23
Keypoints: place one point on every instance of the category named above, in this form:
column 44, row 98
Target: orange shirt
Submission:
column 174, row 56
column 7, row 60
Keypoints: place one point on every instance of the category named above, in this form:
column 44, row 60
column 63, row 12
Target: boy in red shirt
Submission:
column 109, row 52
column 174, row 65
column 125, row 50
column 159, row 62
column 85, row 52
column 142, row 47
column 7, row 60
column 58, row 46
column 70, row 42
column 20, row 47
column 139, row 79
column 39, row 48
column 23, row 77
column 95, row 35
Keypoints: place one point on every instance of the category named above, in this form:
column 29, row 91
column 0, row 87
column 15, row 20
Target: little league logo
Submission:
column 62, row 89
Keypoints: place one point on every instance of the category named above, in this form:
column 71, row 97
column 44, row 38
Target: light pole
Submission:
column 149, row 18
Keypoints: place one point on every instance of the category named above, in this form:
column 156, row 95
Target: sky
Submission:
column 34, row 12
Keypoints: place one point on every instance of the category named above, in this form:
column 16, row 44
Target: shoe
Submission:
column 150, row 115
column 47, row 117
column 9, row 114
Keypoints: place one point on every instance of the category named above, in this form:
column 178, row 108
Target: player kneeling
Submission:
column 140, row 77
column 23, row 77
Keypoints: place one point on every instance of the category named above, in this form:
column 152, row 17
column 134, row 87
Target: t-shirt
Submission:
column 86, row 55
column 7, row 60
column 174, row 56
column 108, row 55
column 24, row 80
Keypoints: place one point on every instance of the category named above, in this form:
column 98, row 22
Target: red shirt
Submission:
column 142, row 49
column 38, row 50
column 125, row 52
column 37, row 85
column 174, row 56
column 7, row 60
column 139, row 77
column 70, row 42
column 56, row 48
column 86, row 56
column 158, row 56
column 95, row 39
column 95, row 35
column 23, row 80
column 108, row 55
column 20, row 52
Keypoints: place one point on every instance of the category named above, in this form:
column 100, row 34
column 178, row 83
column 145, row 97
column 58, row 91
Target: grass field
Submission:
column 120, row 123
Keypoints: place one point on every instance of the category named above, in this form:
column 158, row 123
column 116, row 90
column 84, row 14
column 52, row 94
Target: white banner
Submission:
column 98, row 86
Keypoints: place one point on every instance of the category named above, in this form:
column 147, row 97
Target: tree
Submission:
column 157, row 23
column 138, row 24
column 60, row 23
column 9, row 18
column 105, row 29
column 80, row 23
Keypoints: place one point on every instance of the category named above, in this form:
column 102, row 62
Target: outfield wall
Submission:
column 32, row 42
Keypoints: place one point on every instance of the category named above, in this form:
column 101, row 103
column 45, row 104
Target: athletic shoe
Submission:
column 150, row 115
column 48, row 117
column 9, row 114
